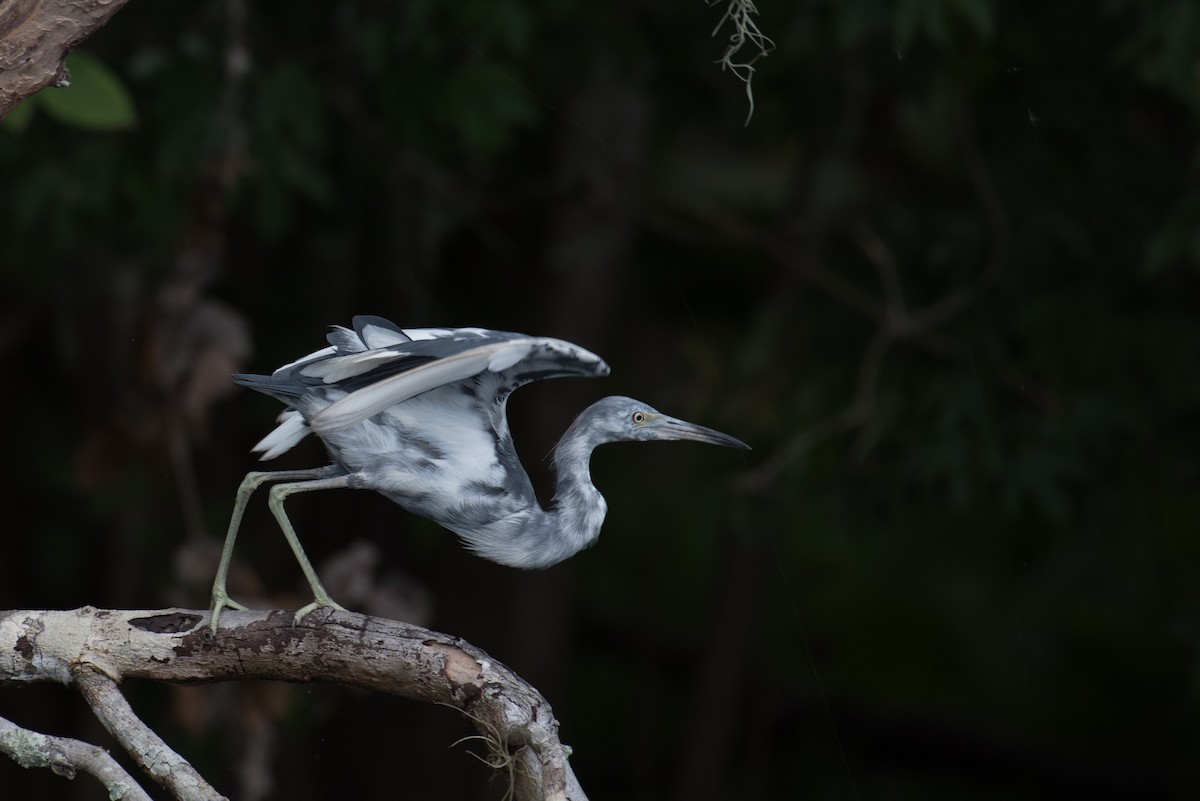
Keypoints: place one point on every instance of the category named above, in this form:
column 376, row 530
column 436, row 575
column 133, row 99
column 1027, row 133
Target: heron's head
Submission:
column 620, row 419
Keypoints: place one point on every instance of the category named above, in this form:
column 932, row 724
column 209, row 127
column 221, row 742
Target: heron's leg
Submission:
column 252, row 481
column 278, row 495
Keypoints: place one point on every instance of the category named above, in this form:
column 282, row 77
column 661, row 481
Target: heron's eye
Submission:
column 639, row 417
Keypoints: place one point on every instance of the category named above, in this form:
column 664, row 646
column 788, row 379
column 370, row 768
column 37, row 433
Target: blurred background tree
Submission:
column 946, row 282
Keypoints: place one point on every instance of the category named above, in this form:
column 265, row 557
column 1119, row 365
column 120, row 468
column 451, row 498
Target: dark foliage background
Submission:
column 946, row 283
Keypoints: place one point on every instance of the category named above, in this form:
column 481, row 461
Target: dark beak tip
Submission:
column 683, row 430
column 729, row 442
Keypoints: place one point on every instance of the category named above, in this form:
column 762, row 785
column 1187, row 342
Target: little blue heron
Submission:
column 418, row 415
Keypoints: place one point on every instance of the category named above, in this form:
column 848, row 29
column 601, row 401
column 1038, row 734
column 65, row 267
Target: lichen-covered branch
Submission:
column 35, row 38
column 67, row 757
column 94, row 649
column 157, row 759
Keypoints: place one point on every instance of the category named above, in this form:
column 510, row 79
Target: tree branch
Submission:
column 66, row 757
column 35, row 38
column 95, row 649
column 149, row 750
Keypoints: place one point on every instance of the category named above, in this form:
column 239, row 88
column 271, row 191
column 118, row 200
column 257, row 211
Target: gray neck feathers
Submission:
column 537, row 537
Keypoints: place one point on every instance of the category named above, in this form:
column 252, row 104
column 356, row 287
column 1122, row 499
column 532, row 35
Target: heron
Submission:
column 419, row 415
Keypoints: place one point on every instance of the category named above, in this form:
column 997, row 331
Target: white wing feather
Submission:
column 316, row 354
column 373, row 399
column 284, row 437
column 374, row 336
column 340, row 368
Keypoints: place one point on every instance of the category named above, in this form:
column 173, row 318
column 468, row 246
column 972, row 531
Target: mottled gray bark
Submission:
column 93, row 650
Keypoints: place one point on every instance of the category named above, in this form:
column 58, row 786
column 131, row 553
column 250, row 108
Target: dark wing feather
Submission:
column 379, row 364
column 423, row 365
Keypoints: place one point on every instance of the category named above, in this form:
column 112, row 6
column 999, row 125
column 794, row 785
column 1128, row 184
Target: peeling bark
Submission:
column 35, row 38
column 93, row 650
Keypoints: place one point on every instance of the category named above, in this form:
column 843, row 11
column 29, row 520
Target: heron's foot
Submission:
column 321, row 601
column 220, row 601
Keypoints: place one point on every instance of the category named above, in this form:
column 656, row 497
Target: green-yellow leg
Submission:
column 252, row 481
column 278, row 495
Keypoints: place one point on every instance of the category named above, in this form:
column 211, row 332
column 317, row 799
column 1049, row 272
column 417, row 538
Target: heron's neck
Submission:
column 545, row 537
column 534, row 537
column 578, row 508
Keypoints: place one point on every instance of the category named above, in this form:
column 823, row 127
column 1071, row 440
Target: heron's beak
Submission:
column 673, row 428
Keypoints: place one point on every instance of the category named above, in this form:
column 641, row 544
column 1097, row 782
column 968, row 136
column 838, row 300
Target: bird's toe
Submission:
column 317, row 603
column 221, row 602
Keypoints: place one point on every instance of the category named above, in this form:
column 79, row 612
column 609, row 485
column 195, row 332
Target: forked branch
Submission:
column 93, row 650
column 67, row 757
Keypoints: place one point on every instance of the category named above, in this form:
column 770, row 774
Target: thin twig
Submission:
column 894, row 321
column 881, row 258
column 66, row 757
column 150, row 751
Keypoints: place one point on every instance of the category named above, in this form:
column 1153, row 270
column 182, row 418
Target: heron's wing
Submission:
column 377, row 380
column 370, row 332
column 375, row 349
column 376, row 332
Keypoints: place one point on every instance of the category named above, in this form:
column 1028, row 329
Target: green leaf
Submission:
column 18, row 119
column 95, row 100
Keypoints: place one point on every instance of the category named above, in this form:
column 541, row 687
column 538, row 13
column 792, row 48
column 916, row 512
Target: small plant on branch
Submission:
column 740, row 14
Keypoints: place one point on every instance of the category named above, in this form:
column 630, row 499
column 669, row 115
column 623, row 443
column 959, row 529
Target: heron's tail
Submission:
column 285, row 390
column 284, row 437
